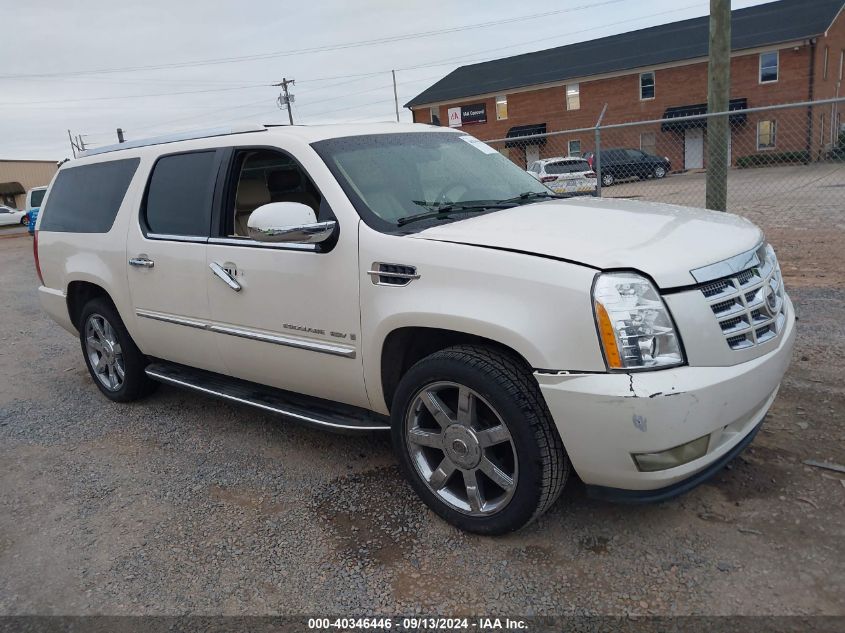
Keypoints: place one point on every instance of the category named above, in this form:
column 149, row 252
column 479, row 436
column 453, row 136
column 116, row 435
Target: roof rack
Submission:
column 173, row 138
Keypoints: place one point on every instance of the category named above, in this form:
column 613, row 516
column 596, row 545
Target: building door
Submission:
column 532, row 153
column 694, row 148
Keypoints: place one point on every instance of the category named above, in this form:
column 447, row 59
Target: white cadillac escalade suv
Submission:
column 411, row 279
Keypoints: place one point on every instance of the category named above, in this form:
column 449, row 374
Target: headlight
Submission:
column 635, row 328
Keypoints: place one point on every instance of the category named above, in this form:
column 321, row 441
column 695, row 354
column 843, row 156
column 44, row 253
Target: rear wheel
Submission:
column 607, row 179
column 113, row 360
column 476, row 441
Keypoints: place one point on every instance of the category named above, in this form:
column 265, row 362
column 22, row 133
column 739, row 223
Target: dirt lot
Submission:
column 183, row 504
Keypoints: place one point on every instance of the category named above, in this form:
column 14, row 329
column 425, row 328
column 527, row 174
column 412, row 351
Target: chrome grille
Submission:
column 749, row 305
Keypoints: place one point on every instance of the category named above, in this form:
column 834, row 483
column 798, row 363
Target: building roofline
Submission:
column 447, row 89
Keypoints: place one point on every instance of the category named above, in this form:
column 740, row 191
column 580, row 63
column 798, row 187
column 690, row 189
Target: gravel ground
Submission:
column 183, row 504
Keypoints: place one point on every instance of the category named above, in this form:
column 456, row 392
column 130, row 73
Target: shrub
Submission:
column 765, row 159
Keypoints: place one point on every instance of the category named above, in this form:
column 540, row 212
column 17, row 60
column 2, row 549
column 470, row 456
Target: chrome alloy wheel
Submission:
column 104, row 352
column 461, row 448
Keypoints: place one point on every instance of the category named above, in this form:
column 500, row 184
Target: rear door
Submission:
column 166, row 260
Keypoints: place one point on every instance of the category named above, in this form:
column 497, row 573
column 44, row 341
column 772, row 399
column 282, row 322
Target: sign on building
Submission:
column 466, row 115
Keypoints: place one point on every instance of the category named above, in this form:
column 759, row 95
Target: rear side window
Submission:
column 569, row 167
column 86, row 199
column 180, row 193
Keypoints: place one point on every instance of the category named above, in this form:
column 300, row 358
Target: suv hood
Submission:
column 662, row 240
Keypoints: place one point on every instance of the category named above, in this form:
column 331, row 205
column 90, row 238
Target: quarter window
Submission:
column 573, row 96
column 647, row 85
column 769, row 67
column 179, row 195
column 766, row 131
column 86, row 199
column 501, row 107
column 574, row 148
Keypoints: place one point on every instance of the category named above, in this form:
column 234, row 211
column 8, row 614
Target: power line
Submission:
column 315, row 49
column 137, row 96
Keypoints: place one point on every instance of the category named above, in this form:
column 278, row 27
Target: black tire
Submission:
column 507, row 384
column 607, row 179
column 24, row 222
column 135, row 384
column 659, row 171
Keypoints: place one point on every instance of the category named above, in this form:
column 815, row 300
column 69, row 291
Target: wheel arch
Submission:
column 403, row 346
column 78, row 293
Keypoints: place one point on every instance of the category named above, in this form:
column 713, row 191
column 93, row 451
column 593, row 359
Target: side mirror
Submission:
column 289, row 222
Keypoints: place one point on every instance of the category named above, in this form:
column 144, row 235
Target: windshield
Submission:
column 36, row 197
column 390, row 177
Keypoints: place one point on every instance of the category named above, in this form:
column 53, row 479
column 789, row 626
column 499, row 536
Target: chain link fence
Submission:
column 786, row 163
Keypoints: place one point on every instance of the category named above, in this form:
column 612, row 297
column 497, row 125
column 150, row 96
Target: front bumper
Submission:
column 605, row 418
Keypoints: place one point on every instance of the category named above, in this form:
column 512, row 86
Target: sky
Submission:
column 154, row 67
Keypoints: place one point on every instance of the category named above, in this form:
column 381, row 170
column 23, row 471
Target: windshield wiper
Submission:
column 531, row 195
column 446, row 210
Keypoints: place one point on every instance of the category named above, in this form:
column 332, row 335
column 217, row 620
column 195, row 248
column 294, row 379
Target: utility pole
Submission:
column 285, row 99
column 718, row 99
column 395, row 96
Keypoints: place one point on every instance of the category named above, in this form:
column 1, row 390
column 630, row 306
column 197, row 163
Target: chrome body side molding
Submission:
column 313, row 346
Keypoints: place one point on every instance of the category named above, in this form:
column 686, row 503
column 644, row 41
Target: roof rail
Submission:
column 173, row 138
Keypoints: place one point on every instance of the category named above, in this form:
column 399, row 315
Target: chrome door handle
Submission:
column 223, row 274
column 143, row 262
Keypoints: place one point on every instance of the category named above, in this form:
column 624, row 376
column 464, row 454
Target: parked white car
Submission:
column 565, row 175
column 411, row 279
column 8, row 215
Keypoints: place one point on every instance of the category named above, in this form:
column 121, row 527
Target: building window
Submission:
column 648, row 142
column 501, row 107
column 573, row 96
column 646, row 86
column 825, row 62
column 766, row 134
column 574, row 148
column 768, row 67
column 435, row 115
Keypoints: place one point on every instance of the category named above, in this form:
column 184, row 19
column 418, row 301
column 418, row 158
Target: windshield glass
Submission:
column 36, row 197
column 390, row 177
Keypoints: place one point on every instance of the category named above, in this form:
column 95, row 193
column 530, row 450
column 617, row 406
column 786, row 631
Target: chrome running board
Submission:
column 307, row 410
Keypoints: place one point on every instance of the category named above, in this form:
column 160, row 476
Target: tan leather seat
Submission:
column 251, row 195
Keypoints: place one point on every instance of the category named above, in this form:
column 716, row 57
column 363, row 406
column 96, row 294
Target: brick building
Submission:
column 782, row 52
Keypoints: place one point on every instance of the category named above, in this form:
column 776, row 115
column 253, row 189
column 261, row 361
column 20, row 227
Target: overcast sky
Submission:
column 84, row 65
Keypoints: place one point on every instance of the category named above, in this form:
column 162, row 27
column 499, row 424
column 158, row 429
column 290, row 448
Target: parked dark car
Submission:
column 620, row 164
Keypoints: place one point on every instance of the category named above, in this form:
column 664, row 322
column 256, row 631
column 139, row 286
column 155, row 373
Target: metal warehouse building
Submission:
column 18, row 176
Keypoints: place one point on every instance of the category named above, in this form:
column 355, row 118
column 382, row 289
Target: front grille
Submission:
column 749, row 305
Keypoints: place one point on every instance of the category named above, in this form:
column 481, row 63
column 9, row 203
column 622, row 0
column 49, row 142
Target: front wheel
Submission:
column 659, row 171
column 607, row 180
column 24, row 221
column 476, row 441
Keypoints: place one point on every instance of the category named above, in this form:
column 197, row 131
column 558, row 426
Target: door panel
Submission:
column 294, row 323
column 694, row 148
column 166, row 261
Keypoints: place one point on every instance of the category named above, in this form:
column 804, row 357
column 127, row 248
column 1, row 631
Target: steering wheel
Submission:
column 442, row 199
